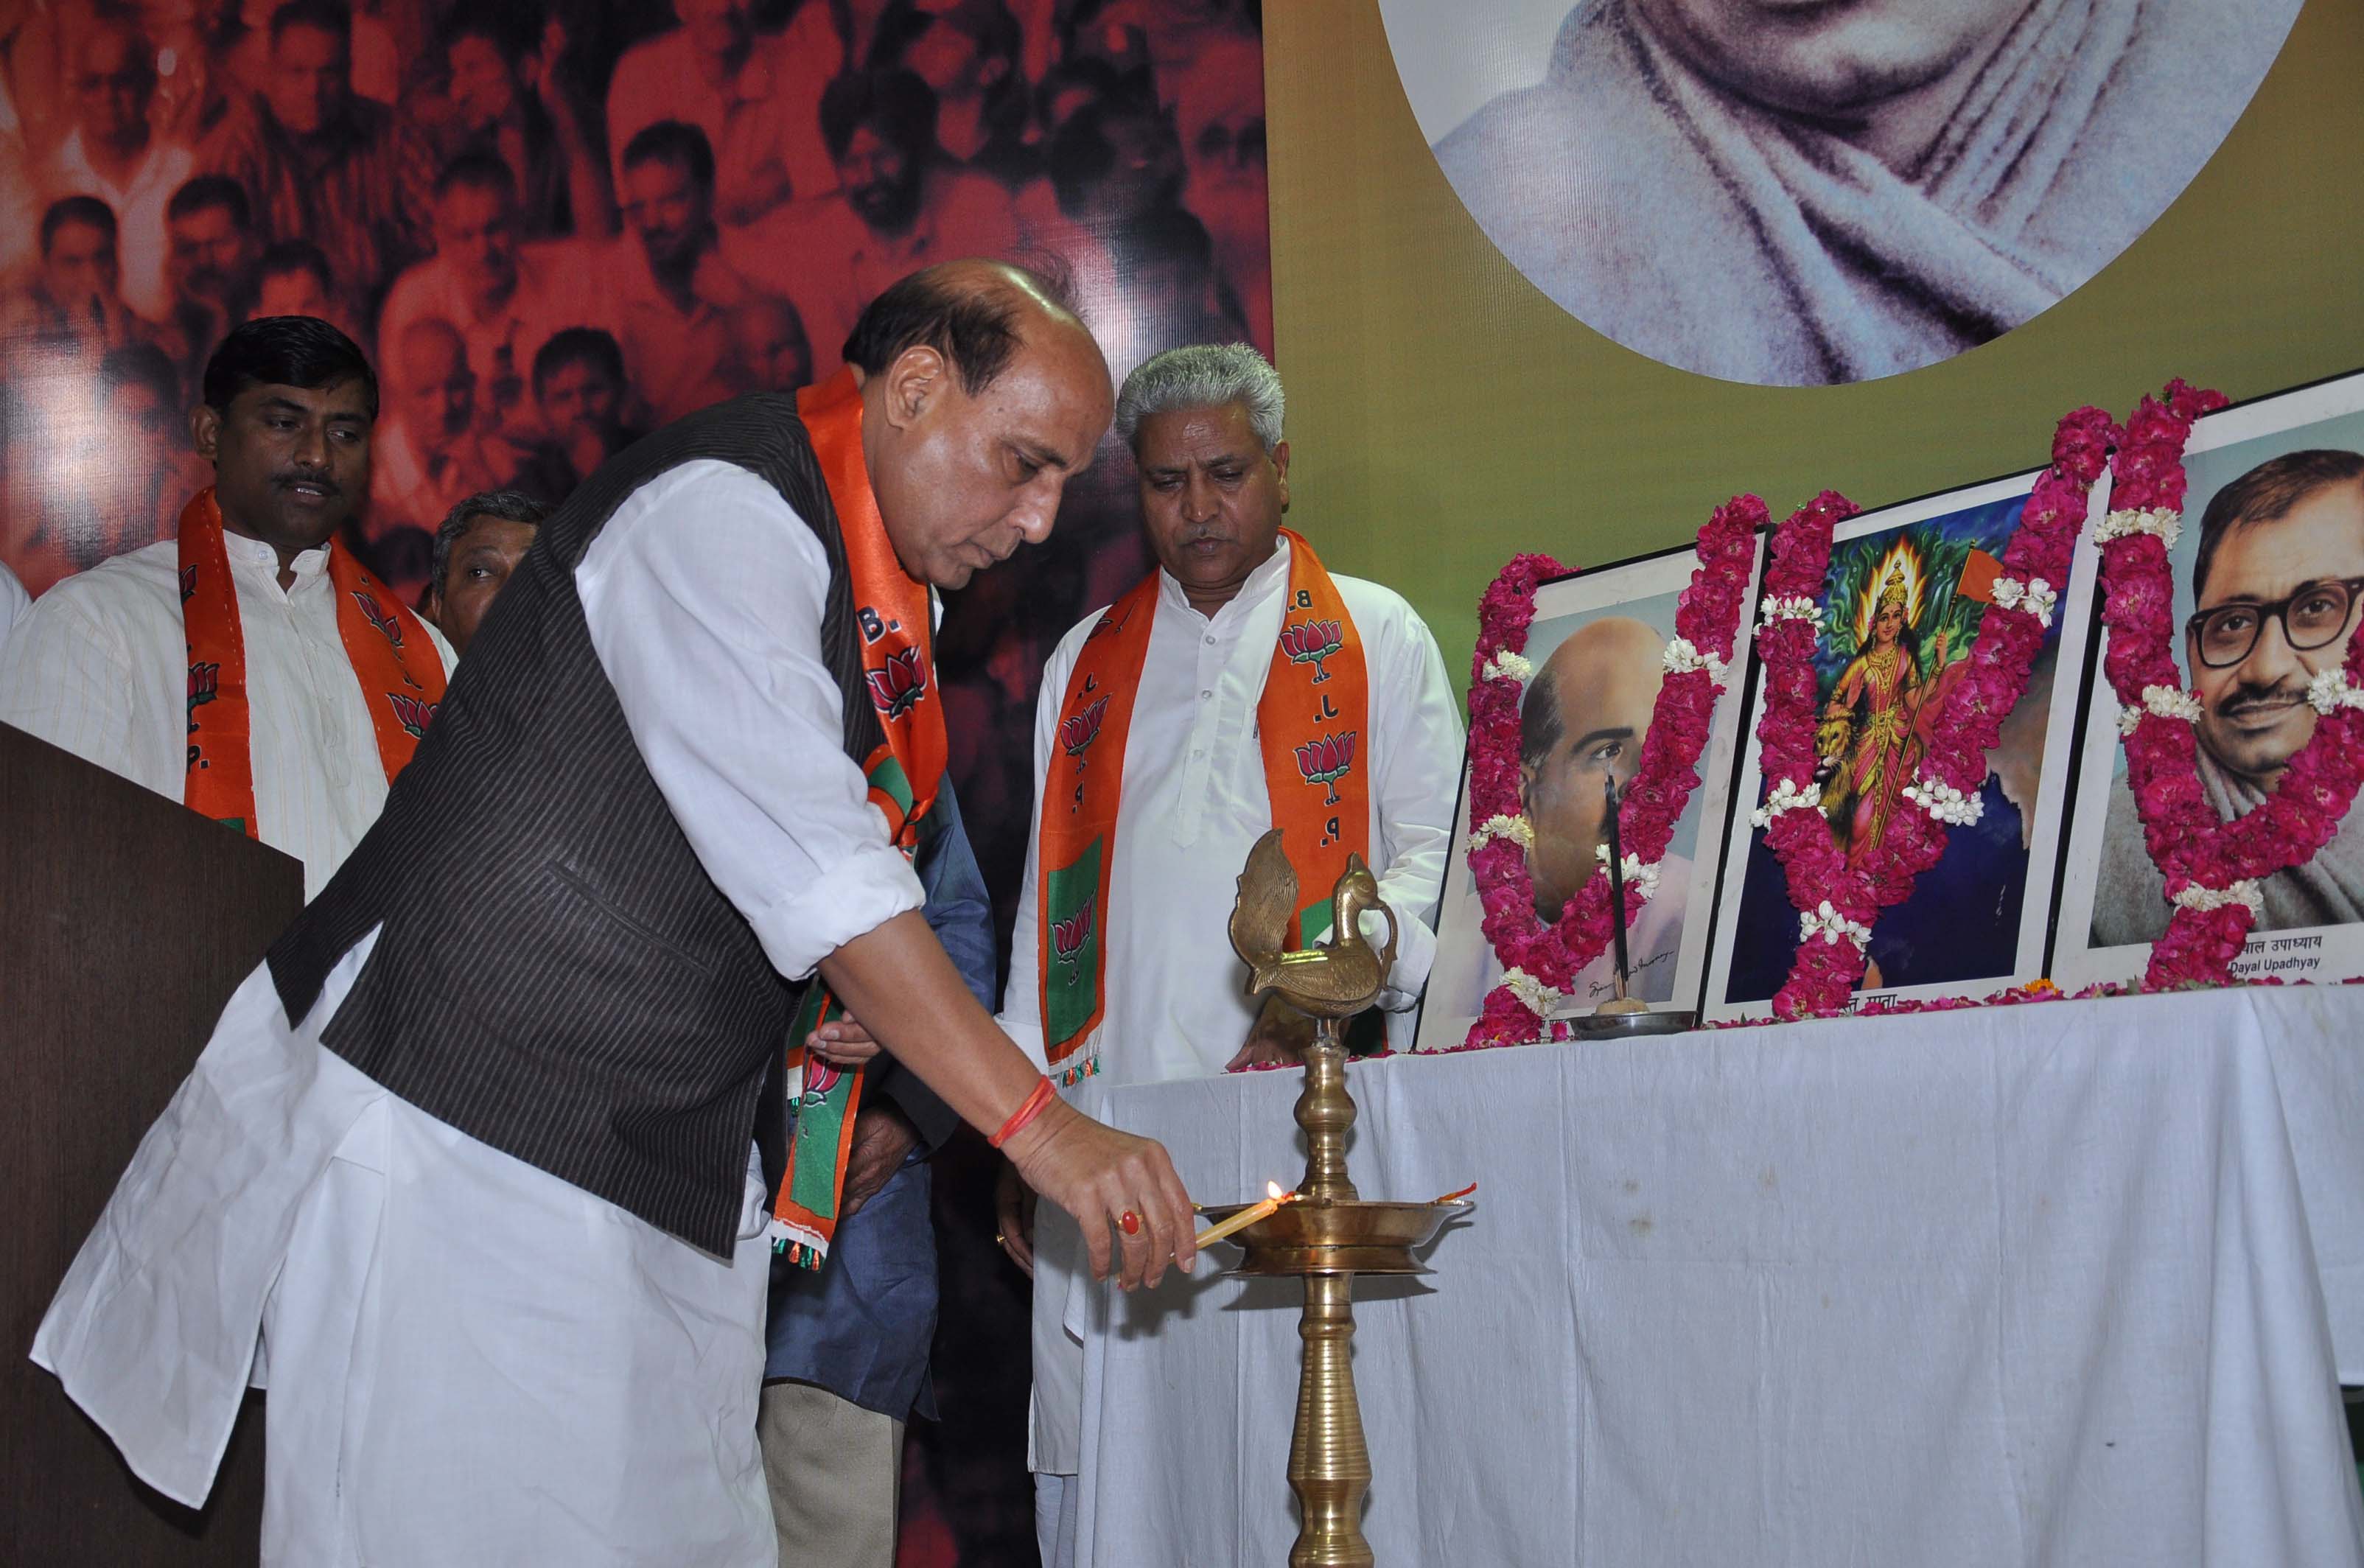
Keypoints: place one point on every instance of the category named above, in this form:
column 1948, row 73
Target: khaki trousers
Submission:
column 836, row 1476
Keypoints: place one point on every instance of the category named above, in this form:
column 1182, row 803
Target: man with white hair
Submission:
column 1238, row 688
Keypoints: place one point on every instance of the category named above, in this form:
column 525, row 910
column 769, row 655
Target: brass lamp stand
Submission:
column 1328, row 1234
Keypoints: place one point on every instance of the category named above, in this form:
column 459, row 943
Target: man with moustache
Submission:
column 1795, row 194
column 476, row 549
column 1238, row 688
column 1581, row 724
column 251, row 668
column 475, row 1152
column 2278, row 580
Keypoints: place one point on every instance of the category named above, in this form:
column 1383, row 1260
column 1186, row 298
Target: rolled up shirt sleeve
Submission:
column 704, row 593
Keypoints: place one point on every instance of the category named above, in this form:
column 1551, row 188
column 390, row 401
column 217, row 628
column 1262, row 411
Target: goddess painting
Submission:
column 1874, row 728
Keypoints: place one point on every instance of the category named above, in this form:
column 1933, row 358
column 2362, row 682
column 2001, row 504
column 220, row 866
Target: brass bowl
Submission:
column 1352, row 1238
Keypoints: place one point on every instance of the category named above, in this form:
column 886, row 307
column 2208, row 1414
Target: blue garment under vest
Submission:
column 861, row 1326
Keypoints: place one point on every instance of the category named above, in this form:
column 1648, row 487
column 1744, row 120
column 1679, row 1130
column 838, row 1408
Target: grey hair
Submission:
column 501, row 505
column 1203, row 375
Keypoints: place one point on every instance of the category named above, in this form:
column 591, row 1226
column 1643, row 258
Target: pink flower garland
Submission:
column 2200, row 857
column 1840, row 903
column 1707, row 616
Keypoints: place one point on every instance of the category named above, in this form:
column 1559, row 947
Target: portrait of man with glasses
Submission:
column 2278, row 580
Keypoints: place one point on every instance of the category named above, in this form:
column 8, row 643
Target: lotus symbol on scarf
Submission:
column 376, row 614
column 1328, row 759
column 1078, row 730
column 1312, row 642
column 821, row 1077
column 411, row 713
column 205, row 684
column 903, row 682
column 1069, row 937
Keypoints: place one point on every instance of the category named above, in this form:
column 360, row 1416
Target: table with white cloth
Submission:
column 2065, row 1282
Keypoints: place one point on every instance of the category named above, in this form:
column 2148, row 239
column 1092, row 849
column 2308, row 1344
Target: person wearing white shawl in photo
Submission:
column 1788, row 194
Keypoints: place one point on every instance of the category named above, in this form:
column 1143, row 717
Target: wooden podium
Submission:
column 125, row 922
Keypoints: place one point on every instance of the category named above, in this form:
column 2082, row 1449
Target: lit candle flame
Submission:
column 1247, row 1216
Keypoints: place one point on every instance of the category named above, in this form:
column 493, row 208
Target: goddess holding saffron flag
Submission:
column 1874, row 726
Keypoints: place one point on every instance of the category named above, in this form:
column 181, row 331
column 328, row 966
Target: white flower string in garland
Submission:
column 2161, row 702
column 2162, row 523
column 1792, row 606
column 1532, row 994
column 1642, row 879
column 2247, row 893
column 2331, row 691
column 1517, row 829
column 1944, row 802
column 2035, row 595
column 1680, row 659
column 1506, row 665
column 1831, row 925
column 1787, row 795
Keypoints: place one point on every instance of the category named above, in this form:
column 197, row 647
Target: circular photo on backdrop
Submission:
column 1802, row 192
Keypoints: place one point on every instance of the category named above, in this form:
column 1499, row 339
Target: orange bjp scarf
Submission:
column 393, row 659
column 894, row 617
column 1312, row 720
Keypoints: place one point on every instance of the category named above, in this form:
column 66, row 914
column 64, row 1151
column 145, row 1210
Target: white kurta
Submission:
column 1194, row 802
column 472, row 1360
column 100, row 666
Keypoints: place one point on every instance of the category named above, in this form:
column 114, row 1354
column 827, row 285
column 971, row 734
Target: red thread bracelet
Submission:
column 1027, row 1111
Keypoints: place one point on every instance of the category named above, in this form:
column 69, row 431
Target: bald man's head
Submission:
column 770, row 340
column 434, row 388
column 983, row 396
column 1585, row 714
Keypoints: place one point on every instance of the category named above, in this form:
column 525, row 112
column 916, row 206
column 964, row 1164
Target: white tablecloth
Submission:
column 2057, row 1284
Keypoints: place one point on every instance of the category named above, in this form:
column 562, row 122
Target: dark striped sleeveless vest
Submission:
column 557, row 976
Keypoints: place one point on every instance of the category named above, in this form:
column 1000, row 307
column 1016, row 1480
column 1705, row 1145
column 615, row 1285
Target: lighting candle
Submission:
column 1249, row 1214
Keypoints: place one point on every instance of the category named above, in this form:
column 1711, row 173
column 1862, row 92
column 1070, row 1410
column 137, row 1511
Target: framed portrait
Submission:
column 2269, row 586
column 1596, row 646
column 1907, row 591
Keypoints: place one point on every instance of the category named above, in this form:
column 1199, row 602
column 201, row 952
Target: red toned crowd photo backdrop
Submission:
column 555, row 224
